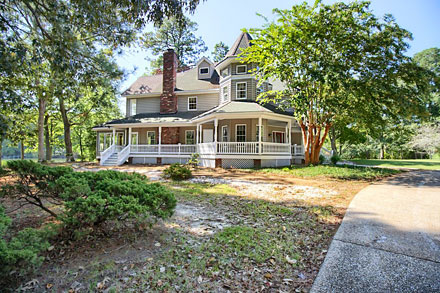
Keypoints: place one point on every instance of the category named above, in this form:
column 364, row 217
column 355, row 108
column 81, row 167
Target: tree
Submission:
column 220, row 51
column 430, row 60
column 427, row 139
column 42, row 39
column 337, row 59
column 178, row 34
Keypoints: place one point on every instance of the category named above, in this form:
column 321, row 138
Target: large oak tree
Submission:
column 336, row 60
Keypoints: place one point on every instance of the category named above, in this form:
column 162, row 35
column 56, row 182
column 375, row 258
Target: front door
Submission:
column 278, row 137
column 208, row 135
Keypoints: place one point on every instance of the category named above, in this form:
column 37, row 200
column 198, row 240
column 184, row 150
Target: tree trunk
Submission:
column 47, row 138
column 382, row 151
column 41, row 111
column 22, row 149
column 332, row 136
column 1, row 147
column 67, row 132
column 80, row 145
column 313, row 142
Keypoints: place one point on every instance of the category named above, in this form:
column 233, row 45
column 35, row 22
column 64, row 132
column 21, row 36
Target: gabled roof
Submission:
column 243, row 41
column 185, row 81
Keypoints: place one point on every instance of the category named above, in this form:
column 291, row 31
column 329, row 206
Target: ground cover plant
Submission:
column 433, row 164
column 177, row 172
column 337, row 172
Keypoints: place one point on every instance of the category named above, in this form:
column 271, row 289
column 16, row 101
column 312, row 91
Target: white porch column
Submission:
column 197, row 134
column 129, row 136
column 215, row 129
column 289, row 126
column 260, row 123
column 114, row 136
column 160, row 137
column 201, row 133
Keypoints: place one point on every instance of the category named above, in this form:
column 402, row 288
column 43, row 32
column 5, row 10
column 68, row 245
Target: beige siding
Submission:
column 250, row 66
column 251, row 88
column 204, row 102
column 148, row 105
column 182, row 135
column 204, row 64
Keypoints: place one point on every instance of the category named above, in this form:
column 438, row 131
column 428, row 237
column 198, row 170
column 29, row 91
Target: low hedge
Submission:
column 177, row 172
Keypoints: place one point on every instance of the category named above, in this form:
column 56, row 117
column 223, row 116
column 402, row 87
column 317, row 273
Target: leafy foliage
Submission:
column 88, row 198
column 21, row 252
column 194, row 160
column 178, row 34
column 177, row 172
column 321, row 159
column 427, row 139
column 94, row 198
column 220, row 51
column 334, row 159
column 337, row 59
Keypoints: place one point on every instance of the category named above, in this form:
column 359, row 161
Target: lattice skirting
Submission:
column 237, row 163
column 275, row 163
column 144, row 160
column 166, row 161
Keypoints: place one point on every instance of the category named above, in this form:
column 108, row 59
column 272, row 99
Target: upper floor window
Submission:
column 225, row 94
column 204, row 70
column 151, row 137
column 190, row 137
column 192, row 103
column 225, row 72
column 241, row 90
column 241, row 69
column 133, row 107
column 260, row 89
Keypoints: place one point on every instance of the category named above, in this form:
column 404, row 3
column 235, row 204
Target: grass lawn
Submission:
column 418, row 164
column 336, row 172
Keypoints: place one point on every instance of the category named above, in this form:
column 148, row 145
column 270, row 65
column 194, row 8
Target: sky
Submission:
column 222, row 20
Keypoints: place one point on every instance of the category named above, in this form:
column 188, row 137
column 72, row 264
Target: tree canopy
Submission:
column 178, row 34
column 337, row 60
column 220, row 51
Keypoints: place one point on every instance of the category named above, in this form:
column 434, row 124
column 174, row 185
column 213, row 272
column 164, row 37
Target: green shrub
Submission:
column 177, row 172
column 194, row 160
column 21, row 252
column 88, row 198
column 94, row 198
column 3, row 171
column 35, row 183
column 334, row 159
column 321, row 159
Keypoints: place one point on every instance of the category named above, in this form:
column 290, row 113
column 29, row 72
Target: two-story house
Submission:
column 210, row 109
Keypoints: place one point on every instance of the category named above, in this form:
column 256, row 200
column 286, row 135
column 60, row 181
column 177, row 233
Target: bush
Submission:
column 335, row 159
column 94, row 198
column 177, row 172
column 20, row 253
column 194, row 160
column 89, row 198
column 3, row 171
column 321, row 159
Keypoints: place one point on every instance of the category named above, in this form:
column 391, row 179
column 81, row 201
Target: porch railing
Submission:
column 107, row 153
column 297, row 150
column 183, row 149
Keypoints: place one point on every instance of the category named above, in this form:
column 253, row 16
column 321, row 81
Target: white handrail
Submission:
column 123, row 155
column 107, row 153
column 297, row 150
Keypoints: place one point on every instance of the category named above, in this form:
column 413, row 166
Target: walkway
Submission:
column 389, row 240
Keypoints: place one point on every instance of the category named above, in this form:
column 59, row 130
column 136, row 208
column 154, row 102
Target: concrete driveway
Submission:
column 389, row 240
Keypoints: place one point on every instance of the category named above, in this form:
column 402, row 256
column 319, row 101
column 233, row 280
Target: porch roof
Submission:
column 156, row 118
column 245, row 106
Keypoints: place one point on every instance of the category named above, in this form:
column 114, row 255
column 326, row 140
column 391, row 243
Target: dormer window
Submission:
column 241, row 69
column 204, row 70
column 192, row 103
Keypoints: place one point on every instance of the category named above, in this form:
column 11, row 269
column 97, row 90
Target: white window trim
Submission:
column 227, row 136
column 223, row 94
column 200, row 70
column 236, row 91
column 262, row 132
column 245, row 69
column 186, row 135
column 133, row 102
column 152, row 131
column 137, row 137
column 236, row 132
column 196, row 103
column 283, row 135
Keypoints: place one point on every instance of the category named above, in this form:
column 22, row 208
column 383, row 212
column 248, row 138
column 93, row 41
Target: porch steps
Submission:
column 112, row 160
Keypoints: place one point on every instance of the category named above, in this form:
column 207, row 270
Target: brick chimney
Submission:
column 168, row 98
